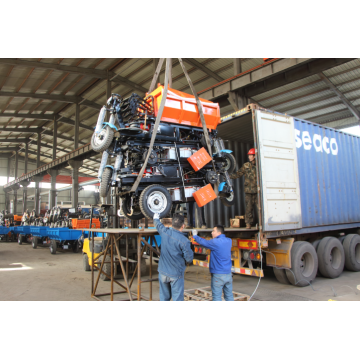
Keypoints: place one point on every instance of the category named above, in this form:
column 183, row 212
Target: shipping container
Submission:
column 308, row 197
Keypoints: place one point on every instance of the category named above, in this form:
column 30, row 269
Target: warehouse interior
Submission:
column 49, row 108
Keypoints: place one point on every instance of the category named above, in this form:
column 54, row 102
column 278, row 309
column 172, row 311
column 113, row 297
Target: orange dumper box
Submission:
column 85, row 223
column 199, row 159
column 181, row 108
column 204, row 195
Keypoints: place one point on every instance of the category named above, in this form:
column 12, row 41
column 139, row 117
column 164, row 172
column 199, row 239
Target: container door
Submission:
column 279, row 176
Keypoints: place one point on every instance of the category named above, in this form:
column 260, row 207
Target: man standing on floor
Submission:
column 175, row 254
column 248, row 170
column 220, row 262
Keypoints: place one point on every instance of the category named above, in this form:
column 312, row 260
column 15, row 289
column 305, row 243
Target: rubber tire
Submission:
column 144, row 268
column 105, row 180
column 352, row 241
column 53, row 247
column 125, row 210
column 298, row 249
column 327, row 244
column 281, row 276
column 316, row 243
column 86, row 264
column 108, row 138
column 227, row 202
column 20, row 239
column 75, row 247
column 34, row 242
column 231, row 163
column 144, row 195
column 106, row 269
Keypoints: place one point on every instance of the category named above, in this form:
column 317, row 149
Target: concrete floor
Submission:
column 35, row 274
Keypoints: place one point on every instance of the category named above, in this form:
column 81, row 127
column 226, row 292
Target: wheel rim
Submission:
column 335, row 258
column 157, row 202
column 100, row 138
column 307, row 264
column 231, row 197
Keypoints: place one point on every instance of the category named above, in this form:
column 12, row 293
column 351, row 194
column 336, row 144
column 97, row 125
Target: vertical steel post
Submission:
column 37, row 179
column 76, row 128
column 15, row 176
column 54, row 139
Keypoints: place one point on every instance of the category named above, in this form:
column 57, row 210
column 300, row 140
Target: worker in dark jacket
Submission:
column 248, row 170
column 175, row 254
column 220, row 262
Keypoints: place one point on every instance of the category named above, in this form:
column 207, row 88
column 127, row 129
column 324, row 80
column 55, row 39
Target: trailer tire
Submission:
column 107, row 137
column 331, row 257
column 155, row 197
column 86, row 264
column 281, row 276
column 352, row 252
column 34, row 242
column 105, row 182
column 304, row 264
column 20, row 239
column 53, row 247
column 75, row 246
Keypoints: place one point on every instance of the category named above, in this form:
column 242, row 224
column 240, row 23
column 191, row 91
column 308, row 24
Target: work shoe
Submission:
column 248, row 226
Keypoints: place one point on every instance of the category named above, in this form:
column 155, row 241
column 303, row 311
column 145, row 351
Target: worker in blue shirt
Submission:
column 175, row 254
column 220, row 262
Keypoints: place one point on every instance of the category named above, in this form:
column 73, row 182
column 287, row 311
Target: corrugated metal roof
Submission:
column 309, row 96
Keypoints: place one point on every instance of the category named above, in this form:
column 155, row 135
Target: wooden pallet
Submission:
column 205, row 294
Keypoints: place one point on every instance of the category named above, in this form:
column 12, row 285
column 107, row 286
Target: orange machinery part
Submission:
column 17, row 217
column 181, row 108
column 85, row 223
column 204, row 195
column 199, row 159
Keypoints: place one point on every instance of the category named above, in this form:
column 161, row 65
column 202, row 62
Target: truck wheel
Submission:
column 352, row 252
column 105, row 182
column 304, row 264
column 331, row 257
column 53, row 247
column 281, row 277
column 20, row 239
column 34, row 242
column 86, row 265
column 103, row 141
column 126, row 209
column 155, row 199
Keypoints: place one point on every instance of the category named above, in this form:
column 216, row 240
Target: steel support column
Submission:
column 52, row 198
column 108, row 94
column 54, row 140
column 37, row 179
column 7, row 196
column 75, row 165
column 155, row 64
column 15, row 176
column 237, row 66
column 25, row 172
column 77, row 122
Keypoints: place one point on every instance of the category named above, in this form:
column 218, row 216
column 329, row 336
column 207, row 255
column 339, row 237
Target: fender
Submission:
column 111, row 125
column 221, row 186
column 109, row 166
column 226, row 151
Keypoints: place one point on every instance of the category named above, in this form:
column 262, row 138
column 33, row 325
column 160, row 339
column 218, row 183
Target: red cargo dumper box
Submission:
column 204, row 195
column 199, row 159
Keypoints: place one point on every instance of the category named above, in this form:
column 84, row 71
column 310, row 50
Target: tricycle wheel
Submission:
column 155, row 199
column 105, row 182
column 228, row 201
column 34, row 242
column 53, row 247
column 229, row 163
column 126, row 209
column 102, row 141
